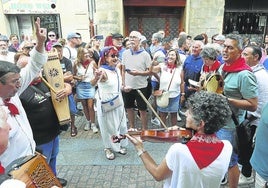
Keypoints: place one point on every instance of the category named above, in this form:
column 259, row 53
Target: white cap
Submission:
column 220, row 37
column 143, row 39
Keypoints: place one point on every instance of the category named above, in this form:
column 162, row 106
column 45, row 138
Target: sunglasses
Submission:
column 88, row 55
column 114, row 55
column 28, row 47
column 51, row 35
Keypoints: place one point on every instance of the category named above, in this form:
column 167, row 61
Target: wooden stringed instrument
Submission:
column 182, row 135
column 55, row 82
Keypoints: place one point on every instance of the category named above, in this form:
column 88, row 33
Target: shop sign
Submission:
column 29, row 6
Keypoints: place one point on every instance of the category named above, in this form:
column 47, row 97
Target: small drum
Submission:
column 212, row 82
column 54, row 77
column 33, row 171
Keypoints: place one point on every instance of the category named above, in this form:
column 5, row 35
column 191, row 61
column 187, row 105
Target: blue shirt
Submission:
column 259, row 157
column 192, row 67
column 265, row 63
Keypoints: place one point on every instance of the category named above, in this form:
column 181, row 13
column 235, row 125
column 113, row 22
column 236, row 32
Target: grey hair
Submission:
column 7, row 67
column 237, row 38
column 200, row 43
column 211, row 108
column 182, row 40
column 158, row 36
column 209, row 52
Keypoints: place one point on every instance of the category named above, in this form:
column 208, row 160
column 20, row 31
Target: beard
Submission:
column 3, row 51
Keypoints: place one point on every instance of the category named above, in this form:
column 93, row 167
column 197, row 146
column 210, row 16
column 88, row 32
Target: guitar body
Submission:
column 54, row 76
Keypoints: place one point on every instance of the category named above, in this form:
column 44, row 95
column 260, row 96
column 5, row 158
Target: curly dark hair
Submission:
column 211, row 108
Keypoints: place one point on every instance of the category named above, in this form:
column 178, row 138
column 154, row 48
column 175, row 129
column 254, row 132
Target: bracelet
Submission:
column 182, row 93
column 140, row 152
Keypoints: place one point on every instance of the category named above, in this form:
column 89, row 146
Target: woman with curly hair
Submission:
column 204, row 160
column 85, row 88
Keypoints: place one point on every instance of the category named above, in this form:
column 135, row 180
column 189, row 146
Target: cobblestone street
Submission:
column 82, row 162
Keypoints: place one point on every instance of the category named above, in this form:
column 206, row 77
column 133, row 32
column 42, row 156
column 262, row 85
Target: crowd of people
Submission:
column 105, row 77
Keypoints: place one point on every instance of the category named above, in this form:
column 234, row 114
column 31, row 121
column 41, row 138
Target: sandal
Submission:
column 73, row 131
column 132, row 130
column 109, row 154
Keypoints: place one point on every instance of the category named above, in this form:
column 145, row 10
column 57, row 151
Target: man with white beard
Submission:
column 5, row 55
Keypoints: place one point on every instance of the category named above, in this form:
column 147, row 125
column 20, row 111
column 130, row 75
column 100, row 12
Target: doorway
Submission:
column 149, row 20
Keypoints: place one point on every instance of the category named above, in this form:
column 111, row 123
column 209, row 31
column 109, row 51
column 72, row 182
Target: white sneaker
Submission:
column 178, row 117
column 95, row 129
column 245, row 180
column 87, row 127
column 155, row 121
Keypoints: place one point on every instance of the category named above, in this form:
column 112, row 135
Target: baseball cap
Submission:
column 198, row 37
column 219, row 37
column 57, row 44
column 143, row 39
column 117, row 35
column 72, row 35
column 3, row 38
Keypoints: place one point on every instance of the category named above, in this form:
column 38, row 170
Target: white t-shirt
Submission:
column 70, row 53
column 185, row 172
column 165, row 78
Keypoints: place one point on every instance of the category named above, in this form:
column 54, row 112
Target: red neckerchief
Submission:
column 214, row 67
column 12, row 108
column 2, row 169
column 171, row 67
column 237, row 66
column 86, row 63
column 35, row 82
column 119, row 48
column 205, row 149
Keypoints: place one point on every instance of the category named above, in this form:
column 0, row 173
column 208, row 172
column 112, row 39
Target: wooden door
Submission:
column 149, row 20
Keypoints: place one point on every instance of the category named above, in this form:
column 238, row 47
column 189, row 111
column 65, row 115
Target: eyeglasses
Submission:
column 114, row 55
column 28, row 47
column 51, row 35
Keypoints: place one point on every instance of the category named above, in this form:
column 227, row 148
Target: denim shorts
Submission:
column 230, row 135
column 155, row 85
column 84, row 90
column 173, row 106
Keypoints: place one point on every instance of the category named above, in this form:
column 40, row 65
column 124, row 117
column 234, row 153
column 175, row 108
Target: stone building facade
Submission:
column 102, row 17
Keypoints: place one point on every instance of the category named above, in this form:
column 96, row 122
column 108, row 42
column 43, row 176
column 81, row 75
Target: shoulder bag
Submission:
column 162, row 97
column 113, row 103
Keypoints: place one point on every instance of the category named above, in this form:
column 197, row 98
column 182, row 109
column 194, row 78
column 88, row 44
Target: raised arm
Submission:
column 41, row 35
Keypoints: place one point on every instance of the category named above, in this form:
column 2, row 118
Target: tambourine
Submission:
column 212, row 82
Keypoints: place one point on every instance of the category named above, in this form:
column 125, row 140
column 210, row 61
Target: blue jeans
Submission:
column 230, row 135
column 50, row 150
